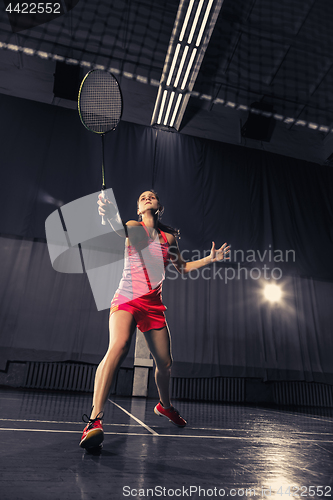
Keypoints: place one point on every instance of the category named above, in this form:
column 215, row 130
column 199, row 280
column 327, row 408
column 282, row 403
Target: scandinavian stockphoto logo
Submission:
column 249, row 265
column 27, row 15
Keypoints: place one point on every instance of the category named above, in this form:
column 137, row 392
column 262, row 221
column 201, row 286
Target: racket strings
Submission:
column 100, row 102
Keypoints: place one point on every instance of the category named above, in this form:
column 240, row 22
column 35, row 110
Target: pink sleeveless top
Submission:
column 144, row 268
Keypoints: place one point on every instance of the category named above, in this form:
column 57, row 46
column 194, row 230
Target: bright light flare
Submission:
column 272, row 293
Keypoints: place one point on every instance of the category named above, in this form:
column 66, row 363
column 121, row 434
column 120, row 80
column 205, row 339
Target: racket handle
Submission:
column 103, row 196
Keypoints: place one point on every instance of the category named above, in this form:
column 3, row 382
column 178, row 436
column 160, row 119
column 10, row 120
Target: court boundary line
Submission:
column 70, row 432
column 112, row 424
column 325, row 449
column 256, row 439
column 135, row 418
column 61, row 422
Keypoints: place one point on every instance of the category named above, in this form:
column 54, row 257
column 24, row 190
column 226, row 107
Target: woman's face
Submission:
column 147, row 200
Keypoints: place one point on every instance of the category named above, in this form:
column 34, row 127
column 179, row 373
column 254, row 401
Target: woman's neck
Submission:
column 150, row 220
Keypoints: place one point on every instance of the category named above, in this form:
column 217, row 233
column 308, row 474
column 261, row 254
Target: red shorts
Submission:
column 147, row 310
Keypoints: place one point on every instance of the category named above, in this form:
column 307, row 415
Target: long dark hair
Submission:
column 163, row 227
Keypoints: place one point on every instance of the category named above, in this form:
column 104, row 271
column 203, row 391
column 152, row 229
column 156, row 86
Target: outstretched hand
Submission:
column 220, row 254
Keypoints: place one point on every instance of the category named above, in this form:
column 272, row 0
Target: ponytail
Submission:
column 168, row 229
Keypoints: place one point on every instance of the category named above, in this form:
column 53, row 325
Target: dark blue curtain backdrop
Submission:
column 275, row 212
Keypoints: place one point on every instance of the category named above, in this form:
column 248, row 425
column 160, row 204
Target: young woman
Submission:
column 149, row 246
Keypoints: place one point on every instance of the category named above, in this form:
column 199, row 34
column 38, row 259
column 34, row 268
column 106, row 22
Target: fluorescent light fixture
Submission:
column 174, row 60
column 183, row 59
column 188, row 69
column 182, row 62
column 188, row 13
column 175, row 110
column 195, row 22
column 165, row 93
column 203, row 24
column 169, row 108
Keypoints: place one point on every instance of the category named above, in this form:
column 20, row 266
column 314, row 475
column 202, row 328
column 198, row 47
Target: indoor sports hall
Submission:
column 213, row 176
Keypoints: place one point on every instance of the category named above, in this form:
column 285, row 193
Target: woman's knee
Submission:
column 164, row 366
column 120, row 347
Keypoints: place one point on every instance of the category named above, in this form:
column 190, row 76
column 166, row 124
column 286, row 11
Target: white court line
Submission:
column 60, row 422
column 221, row 429
column 135, row 418
column 262, row 440
column 139, row 425
column 328, row 451
column 138, row 434
column 71, row 432
column 211, row 429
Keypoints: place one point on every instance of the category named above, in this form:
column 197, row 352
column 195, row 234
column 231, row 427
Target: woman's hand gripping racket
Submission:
column 100, row 107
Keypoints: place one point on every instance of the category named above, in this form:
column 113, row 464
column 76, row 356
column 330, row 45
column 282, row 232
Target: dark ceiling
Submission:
column 276, row 53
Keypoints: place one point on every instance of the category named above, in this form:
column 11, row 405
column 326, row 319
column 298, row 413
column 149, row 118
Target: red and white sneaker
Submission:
column 93, row 434
column 171, row 413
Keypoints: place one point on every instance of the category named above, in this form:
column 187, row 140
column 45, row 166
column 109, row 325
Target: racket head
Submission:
column 100, row 102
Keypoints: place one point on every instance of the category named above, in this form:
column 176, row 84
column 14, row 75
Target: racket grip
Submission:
column 103, row 196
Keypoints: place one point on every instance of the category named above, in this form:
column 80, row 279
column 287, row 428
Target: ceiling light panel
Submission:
column 192, row 30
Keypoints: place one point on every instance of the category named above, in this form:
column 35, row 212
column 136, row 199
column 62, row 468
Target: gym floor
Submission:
column 225, row 450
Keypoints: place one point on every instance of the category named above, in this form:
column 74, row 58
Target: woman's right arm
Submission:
column 131, row 229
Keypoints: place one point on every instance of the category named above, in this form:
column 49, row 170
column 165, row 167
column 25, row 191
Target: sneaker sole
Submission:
column 93, row 440
column 161, row 415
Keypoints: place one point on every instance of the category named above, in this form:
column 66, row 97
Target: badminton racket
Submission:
column 100, row 106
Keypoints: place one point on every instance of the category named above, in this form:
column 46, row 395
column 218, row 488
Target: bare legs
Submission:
column 160, row 347
column 122, row 327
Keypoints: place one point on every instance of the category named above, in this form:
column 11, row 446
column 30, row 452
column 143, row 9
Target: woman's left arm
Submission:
column 183, row 267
